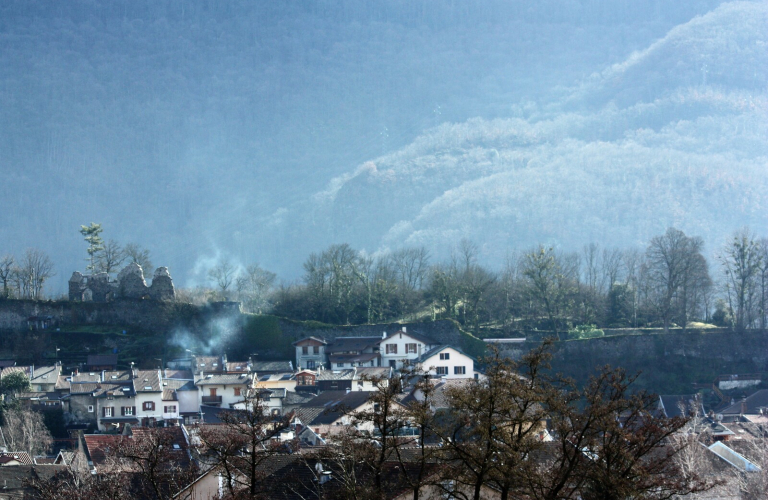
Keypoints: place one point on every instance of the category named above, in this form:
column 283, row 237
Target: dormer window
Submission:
column 202, row 364
column 215, row 364
column 147, row 387
column 114, row 377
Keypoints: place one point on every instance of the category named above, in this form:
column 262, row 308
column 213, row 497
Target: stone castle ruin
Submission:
column 129, row 284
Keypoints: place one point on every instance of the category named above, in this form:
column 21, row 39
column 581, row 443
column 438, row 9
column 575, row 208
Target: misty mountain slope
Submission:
column 726, row 48
column 662, row 149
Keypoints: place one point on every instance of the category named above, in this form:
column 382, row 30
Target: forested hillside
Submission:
column 672, row 136
column 200, row 128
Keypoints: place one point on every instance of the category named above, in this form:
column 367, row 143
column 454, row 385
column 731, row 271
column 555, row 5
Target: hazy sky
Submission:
column 267, row 130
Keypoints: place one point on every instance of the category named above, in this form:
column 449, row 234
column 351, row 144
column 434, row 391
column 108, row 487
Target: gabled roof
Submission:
column 45, row 374
column 116, row 376
column 346, row 374
column 208, row 364
column 19, row 456
column 333, row 404
column 62, row 384
column 85, row 388
column 237, row 367
column 223, row 379
column 276, row 377
column 680, row 405
column 26, row 370
column 86, row 378
column 415, row 336
column 296, row 398
column 271, row 366
column 169, row 395
column 309, row 341
column 750, row 405
column 440, row 348
column 97, row 446
column 212, row 414
column 352, row 344
column 179, row 374
column 353, row 358
column 147, row 381
column 368, row 372
column 179, row 385
column 277, row 393
column 113, row 390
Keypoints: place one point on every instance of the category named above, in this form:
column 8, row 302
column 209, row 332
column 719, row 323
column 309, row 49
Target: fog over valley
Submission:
column 265, row 131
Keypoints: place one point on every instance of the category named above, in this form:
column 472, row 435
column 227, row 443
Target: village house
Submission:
column 223, row 389
column 402, row 348
column 285, row 380
column 310, row 353
column 116, row 401
column 43, row 378
column 447, row 362
column 149, row 397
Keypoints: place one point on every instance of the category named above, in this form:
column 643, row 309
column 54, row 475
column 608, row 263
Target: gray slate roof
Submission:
column 271, row 366
column 224, row 379
column 751, row 404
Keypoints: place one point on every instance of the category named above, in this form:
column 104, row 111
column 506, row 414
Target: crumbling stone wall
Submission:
column 130, row 284
column 162, row 285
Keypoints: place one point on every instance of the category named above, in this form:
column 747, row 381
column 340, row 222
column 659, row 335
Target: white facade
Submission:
column 223, row 390
column 149, row 405
column 448, row 363
column 401, row 348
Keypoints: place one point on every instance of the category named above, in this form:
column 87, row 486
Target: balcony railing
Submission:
column 211, row 400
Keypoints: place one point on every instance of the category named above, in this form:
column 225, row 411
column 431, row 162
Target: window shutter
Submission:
column 122, row 410
column 133, row 412
column 103, row 411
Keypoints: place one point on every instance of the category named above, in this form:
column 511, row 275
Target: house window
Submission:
column 459, row 370
column 148, row 406
column 169, row 409
column 237, row 391
column 212, row 392
column 441, row 370
column 339, row 365
column 316, row 349
column 445, row 355
column 128, row 410
column 376, row 408
column 108, row 411
column 410, row 348
column 391, row 348
column 90, row 408
column 305, row 350
column 310, row 365
column 275, row 412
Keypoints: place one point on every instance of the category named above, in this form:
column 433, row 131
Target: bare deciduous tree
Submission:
column 24, row 430
column 254, row 288
column 223, row 275
column 6, row 274
column 111, row 257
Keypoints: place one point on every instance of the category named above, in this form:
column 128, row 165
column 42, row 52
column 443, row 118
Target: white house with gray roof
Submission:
column 447, row 362
column 224, row 390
